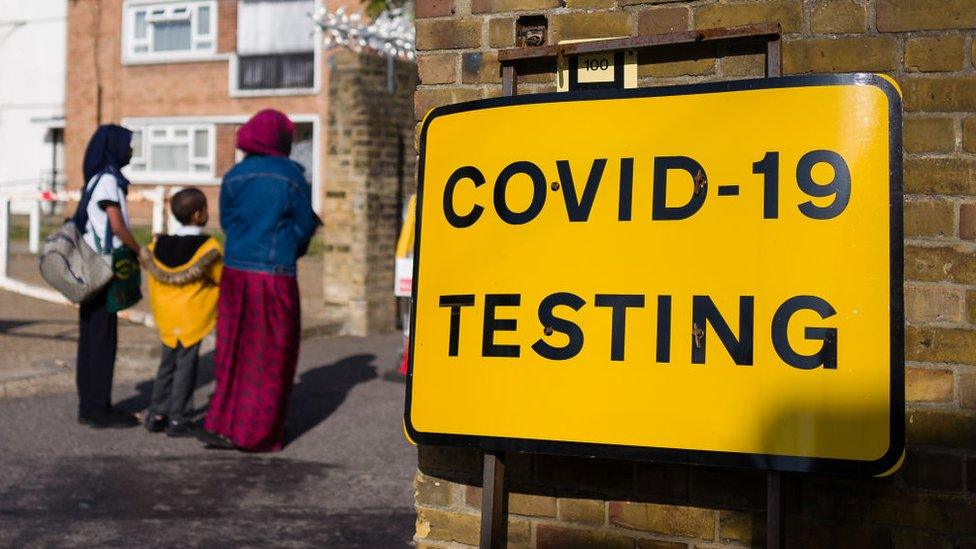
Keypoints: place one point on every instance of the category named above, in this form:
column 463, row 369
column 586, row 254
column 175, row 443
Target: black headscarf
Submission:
column 108, row 151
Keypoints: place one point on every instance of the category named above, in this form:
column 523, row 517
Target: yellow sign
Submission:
column 707, row 274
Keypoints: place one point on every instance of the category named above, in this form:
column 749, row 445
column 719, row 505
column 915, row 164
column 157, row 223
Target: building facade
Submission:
column 185, row 74
column 32, row 54
column 929, row 48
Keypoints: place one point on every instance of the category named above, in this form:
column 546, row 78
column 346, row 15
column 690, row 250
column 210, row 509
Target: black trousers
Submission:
column 98, row 339
column 172, row 393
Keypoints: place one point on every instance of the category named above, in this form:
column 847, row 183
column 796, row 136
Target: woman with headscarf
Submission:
column 266, row 213
column 104, row 219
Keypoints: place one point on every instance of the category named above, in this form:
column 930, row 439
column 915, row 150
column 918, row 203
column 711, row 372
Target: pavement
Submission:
column 38, row 338
column 344, row 478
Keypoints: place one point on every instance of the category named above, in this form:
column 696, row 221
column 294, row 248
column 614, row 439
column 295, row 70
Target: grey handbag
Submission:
column 69, row 264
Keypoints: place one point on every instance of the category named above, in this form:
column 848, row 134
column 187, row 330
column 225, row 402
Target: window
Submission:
column 276, row 44
column 171, row 30
column 175, row 152
column 272, row 72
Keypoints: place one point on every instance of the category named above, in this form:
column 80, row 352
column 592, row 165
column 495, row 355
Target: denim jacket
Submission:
column 266, row 213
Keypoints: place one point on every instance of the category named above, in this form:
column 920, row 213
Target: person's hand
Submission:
column 145, row 257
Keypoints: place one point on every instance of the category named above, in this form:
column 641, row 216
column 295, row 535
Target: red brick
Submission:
column 433, row 8
column 663, row 20
column 967, row 221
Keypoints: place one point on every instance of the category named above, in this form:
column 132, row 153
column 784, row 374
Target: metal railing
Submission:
column 36, row 201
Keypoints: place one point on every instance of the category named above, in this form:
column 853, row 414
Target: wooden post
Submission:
column 509, row 80
column 775, row 532
column 774, row 58
column 494, row 511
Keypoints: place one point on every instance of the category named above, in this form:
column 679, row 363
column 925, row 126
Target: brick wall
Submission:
column 928, row 47
column 369, row 176
column 101, row 89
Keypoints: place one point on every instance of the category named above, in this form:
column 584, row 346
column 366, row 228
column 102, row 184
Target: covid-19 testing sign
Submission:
column 707, row 274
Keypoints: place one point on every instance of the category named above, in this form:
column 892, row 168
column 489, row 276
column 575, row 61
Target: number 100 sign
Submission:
column 707, row 274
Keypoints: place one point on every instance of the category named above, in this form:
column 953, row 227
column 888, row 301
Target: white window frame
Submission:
column 143, row 156
column 169, row 11
column 314, row 176
column 234, row 91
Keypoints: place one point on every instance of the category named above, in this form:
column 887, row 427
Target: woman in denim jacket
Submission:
column 266, row 213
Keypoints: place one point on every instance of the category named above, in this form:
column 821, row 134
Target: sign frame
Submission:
column 818, row 465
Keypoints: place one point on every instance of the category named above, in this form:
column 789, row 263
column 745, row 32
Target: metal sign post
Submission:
column 493, row 511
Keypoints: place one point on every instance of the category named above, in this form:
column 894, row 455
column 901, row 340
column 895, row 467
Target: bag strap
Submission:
column 80, row 218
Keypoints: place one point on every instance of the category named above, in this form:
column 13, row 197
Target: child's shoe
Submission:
column 155, row 423
column 178, row 429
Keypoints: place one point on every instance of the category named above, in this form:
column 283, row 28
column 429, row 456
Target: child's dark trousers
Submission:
column 172, row 393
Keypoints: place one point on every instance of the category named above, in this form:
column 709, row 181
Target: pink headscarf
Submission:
column 268, row 132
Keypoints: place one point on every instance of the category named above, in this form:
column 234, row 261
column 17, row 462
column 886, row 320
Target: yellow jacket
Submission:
column 184, row 297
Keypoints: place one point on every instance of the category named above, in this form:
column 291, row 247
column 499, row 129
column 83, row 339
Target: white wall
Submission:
column 32, row 72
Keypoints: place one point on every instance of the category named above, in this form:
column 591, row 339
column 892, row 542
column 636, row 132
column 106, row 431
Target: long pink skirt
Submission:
column 258, row 334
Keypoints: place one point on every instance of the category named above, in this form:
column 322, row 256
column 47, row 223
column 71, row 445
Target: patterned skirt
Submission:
column 258, row 334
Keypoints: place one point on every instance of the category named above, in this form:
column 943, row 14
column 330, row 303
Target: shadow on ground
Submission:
column 317, row 394
column 208, row 501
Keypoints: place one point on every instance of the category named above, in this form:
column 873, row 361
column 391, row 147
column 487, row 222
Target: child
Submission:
column 184, row 271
